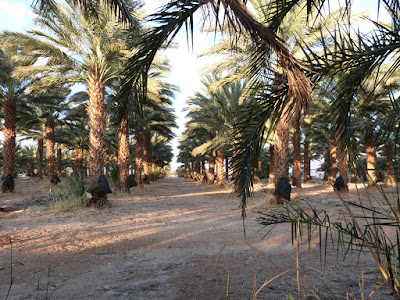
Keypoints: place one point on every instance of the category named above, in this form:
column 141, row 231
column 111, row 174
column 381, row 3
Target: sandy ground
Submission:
column 162, row 242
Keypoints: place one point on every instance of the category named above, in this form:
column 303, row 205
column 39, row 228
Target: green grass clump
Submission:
column 78, row 187
column 63, row 205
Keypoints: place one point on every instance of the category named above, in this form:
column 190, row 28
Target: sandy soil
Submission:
column 162, row 242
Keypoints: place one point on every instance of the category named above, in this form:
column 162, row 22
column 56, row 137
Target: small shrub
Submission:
column 181, row 172
column 63, row 205
column 158, row 174
column 78, row 186
column 114, row 174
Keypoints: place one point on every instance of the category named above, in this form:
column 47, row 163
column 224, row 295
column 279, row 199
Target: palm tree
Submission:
column 74, row 134
column 48, row 106
column 160, row 150
column 215, row 112
column 156, row 116
column 160, row 119
column 390, row 179
column 370, row 106
column 25, row 159
column 123, row 153
column 157, row 113
column 274, row 103
column 40, row 157
column 12, row 93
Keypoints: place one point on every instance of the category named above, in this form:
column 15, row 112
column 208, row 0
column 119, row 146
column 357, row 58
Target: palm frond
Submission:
column 120, row 7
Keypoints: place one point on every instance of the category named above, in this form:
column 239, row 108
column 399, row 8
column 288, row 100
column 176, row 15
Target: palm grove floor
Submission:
column 162, row 242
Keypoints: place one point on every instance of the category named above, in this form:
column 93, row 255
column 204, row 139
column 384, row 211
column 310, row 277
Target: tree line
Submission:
column 88, row 131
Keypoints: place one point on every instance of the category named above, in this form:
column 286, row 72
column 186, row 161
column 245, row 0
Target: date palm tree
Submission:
column 369, row 108
column 74, row 135
column 160, row 151
column 215, row 112
column 157, row 116
column 49, row 106
column 13, row 98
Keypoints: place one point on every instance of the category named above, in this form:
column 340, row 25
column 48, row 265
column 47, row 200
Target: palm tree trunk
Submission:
column 78, row 161
column 59, row 160
column 211, row 168
column 29, row 170
column 297, row 150
column 85, row 166
column 187, row 170
column 50, row 155
column 333, row 164
column 139, row 156
column 343, row 164
column 203, row 165
column 197, row 170
column 261, row 170
column 146, row 152
column 40, row 158
column 116, row 157
column 106, row 157
column 123, row 154
column 10, row 114
column 220, row 166
column 97, row 114
column 191, row 167
column 281, row 149
column 227, row 167
column 389, row 163
column 353, row 168
column 327, row 164
column 371, row 161
column 307, row 164
column 271, row 175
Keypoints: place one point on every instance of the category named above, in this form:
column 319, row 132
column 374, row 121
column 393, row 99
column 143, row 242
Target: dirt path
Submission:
column 160, row 242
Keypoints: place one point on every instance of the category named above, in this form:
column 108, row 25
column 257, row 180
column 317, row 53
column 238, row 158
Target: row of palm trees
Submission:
column 269, row 115
column 278, row 63
column 214, row 114
column 39, row 68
